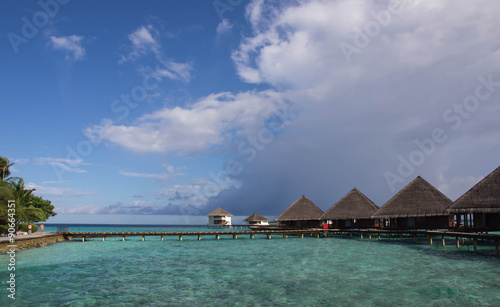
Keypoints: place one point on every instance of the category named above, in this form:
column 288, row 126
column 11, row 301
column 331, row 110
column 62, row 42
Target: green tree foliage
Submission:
column 43, row 204
column 28, row 207
column 5, row 196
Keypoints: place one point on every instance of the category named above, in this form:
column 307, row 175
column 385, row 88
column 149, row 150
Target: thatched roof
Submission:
column 219, row 212
column 303, row 209
column 354, row 205
column 484, row 197
column 419, row 198
column 255, row 218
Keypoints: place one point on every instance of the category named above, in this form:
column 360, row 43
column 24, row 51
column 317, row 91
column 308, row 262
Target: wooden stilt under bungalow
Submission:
column 419, row 205
column 479, row 208
column 303, row 213
column 354, row 210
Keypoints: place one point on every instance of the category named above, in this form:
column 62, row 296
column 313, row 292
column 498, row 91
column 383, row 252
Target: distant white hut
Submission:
column 256, row 219
column 219, row 217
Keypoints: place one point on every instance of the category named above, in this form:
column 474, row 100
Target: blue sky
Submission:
column 160, row 112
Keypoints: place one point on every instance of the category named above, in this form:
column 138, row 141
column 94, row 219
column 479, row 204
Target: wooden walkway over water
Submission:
column 435, row 237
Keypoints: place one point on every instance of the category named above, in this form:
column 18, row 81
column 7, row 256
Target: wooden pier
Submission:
column 435, row 237
column 214, row 234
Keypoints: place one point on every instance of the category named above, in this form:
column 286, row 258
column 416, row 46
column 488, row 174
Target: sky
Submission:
column 159, row 112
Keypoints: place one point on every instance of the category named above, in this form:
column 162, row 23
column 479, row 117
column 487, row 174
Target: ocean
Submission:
column 244, row 272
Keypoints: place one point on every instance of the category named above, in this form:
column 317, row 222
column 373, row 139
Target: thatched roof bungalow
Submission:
column 303, row 213
column 354, row 210
column 219, row 217
column 418, row 205
column 256, row 219
column 480, row 206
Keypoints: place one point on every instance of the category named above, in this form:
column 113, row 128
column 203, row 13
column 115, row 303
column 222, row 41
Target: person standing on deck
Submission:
column 42, row 228
column 29, row 229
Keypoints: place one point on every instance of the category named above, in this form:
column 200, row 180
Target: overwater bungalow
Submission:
column 303, row 213
column 219, row 217
column 479, row 207
column 354, row 210
column 256, row 219
column 419, row 205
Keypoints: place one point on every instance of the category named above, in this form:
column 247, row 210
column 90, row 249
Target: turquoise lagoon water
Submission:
column 245, row 272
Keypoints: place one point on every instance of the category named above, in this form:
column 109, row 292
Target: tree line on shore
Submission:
column 29, row 208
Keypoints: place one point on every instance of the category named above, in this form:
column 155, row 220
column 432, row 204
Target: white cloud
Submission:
column 71, row 165
column 86, row 209
column 212, row 121
column 184, row 196
column 140, row 175
column 184, row 190
column 224, row 27
column 52, row 191
column 21, row 161
column 71, row 44
column 299, row 45
column 174, row 70
column 142, row 39
column 171, row 173
column 145, row 41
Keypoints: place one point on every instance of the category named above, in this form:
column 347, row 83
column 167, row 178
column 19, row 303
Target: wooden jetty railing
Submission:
column 432, row 235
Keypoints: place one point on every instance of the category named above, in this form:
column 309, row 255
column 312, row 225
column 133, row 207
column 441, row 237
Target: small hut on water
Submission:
column 419, row 205
column 480, row 206
column 219, row 217
column 303, row 213
column 354, row 210
column 256, row 219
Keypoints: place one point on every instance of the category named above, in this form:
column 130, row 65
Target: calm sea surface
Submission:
column 245, row 272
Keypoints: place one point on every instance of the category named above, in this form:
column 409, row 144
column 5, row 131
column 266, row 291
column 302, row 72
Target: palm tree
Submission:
column 24, row 210
column 4, row 167
column 5, row 196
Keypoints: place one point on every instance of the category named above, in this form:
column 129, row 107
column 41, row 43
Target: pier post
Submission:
column 285, row 236
column 103, row 239
column 457, row 241
column 317, row 235
column 143, row 238
column 251, row 236
column 474, row 241
column 430, row 237
column 161, row 238
column 199, row 237
column 269, row 236
column 235, row 236
column 123, row 238
column 370, row 236
column 379, row 235
column 180, row 237
column 497, row 248
column 444, row 242
column 301, row 235
column 351, row 234
column 361, row 236
column 401, row 236
column 414, row 238
column 216, row 237
column 83, row 239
